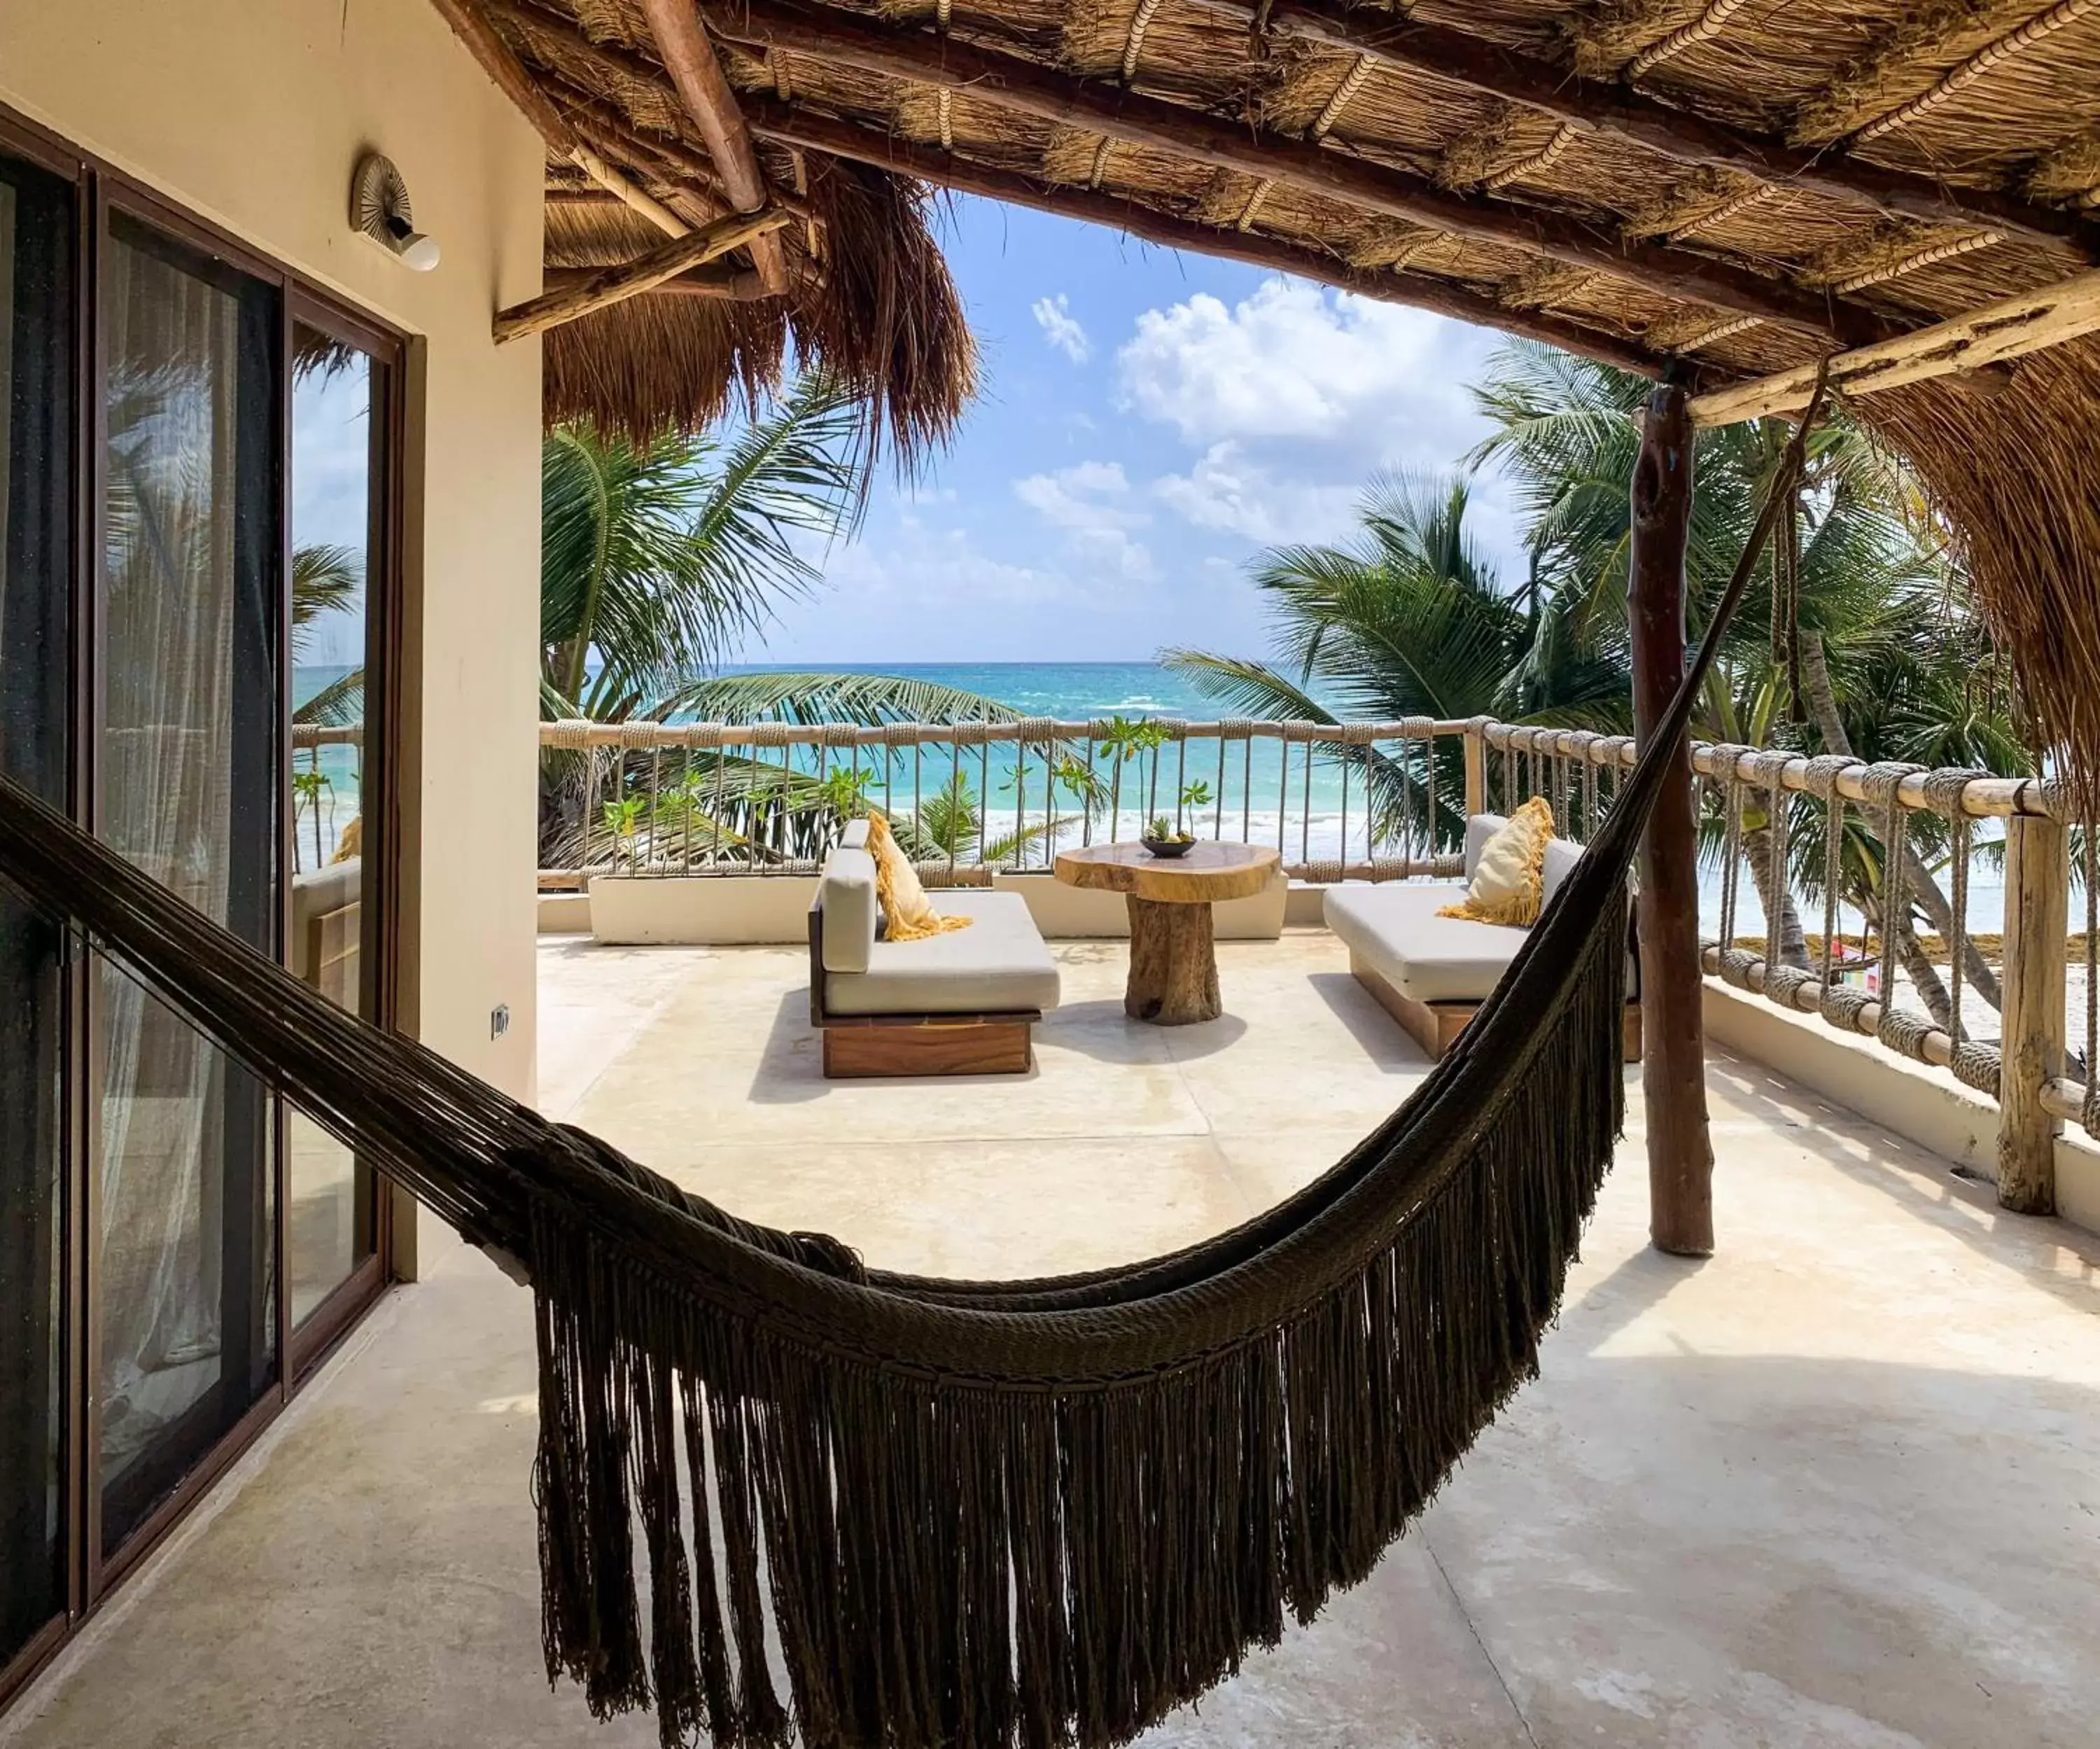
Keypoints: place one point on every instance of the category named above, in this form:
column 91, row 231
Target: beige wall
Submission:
column 251, row 113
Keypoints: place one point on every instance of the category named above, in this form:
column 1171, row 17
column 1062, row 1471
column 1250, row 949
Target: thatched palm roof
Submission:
column 1735, row 186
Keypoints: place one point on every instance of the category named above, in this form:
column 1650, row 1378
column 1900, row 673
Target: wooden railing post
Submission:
column 1476, row 771
column 2037, row 906
column 1680, row 1157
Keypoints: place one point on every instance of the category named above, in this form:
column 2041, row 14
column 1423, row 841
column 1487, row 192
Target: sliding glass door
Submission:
column 37, row 321
column 188, row 654
column 198, row 561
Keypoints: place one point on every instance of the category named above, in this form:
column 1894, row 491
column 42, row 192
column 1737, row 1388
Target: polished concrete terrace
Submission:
column 1839, row 1485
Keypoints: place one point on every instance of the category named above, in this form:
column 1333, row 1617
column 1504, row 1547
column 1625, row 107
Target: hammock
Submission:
column 1030, row 1512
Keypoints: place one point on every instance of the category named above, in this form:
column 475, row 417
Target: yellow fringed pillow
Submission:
column 898, row 891
column 1509, row 881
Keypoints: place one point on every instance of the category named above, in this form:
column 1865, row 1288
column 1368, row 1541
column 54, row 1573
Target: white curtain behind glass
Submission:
column 167, row 639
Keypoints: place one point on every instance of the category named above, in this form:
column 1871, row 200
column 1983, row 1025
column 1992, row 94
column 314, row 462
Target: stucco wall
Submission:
column 252, row 114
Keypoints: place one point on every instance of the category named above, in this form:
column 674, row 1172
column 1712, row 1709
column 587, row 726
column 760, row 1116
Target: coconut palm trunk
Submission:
column 1784, row 942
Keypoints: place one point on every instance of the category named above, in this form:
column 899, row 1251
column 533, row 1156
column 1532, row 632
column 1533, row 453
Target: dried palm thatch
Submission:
column 1747, row 186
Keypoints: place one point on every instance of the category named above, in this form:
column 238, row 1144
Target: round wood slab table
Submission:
column 1173, row 952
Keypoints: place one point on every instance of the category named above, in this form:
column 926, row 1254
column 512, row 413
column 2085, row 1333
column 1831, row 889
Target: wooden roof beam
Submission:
column 600, row 287
column 1027, row 87
column 791, row 125
column 731, row 284
column 472, row 27
column 1615, row 109
column 690, row 58
column 2009, row 328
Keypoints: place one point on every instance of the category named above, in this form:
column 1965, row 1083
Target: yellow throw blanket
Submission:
column 897, row 890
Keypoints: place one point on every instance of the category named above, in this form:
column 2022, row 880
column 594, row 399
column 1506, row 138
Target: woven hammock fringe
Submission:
column 951, row 1562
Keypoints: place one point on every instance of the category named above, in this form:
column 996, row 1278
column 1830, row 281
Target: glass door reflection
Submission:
column 336, row 452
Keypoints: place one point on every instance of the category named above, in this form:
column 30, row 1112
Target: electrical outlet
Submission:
column 499, row 1020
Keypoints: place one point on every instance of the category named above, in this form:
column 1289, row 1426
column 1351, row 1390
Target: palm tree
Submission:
column 1409, row 621
column 1911, row 672
column 657, row 560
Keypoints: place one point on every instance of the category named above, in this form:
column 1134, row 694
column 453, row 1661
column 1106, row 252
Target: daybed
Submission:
column 963, row 1003
column 1431, row 973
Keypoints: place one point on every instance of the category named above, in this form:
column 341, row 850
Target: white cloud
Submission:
column 1062, row 328
column 1295, row 397
column 1092, row 503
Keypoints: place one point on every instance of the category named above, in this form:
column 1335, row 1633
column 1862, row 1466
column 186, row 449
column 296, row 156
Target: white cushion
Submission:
column 998, row 965
column 854, row 838
column 847, row 893
column 1395, row 930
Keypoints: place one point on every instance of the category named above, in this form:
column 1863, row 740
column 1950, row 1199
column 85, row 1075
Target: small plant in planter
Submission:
column 1163, row 837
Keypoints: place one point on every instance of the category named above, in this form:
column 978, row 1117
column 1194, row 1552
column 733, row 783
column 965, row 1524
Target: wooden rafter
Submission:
column 599, row 287
column 2007, row 329
column 789, row 125
column 1027, row 87
column 690, row 60
column 731, row 284
column 472, row 27
column 1443, row 52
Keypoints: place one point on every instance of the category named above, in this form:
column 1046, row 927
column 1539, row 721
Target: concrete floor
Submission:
column 1840, row 1485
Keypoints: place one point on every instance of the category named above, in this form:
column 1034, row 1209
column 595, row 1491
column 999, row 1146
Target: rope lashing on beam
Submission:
column 1709, row 23
column 1134, row 44
column 1924, row 257
column 1564, row 136
column 1733, row 207
column 1351, row 83
column 2013, row 42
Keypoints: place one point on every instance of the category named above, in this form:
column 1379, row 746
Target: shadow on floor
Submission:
column 1375, row 1032
column 2059, row 1258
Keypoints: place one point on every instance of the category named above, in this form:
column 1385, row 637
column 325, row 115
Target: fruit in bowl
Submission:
column 1163, row 837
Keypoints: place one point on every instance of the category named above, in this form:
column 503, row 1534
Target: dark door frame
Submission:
column 100, row 190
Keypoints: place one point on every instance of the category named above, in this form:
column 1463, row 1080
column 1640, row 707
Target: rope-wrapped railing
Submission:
column 1573, row 770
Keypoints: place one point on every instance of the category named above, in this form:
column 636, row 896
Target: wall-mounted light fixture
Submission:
column 379, row 208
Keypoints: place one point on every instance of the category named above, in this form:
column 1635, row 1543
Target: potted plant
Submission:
column 1163, row 837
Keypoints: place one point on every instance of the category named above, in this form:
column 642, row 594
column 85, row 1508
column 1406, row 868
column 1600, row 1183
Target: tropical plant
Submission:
column 657, row 559
column 1902, row 668
column 1409, row 619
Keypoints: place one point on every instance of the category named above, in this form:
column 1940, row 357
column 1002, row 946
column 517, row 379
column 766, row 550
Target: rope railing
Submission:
column 1853, row 823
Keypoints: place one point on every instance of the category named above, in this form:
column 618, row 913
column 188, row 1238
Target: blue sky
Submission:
column 1147, row 422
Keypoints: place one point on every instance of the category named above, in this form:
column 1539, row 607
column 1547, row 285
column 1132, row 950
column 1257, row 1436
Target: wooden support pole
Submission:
column 1618, row 111
column 2037, row 904
column 1680, row 1155
column 704, row 89
column 1027, row 87
column 1476, row 771
column 791, row 125
column 602, row 286
column 2025, row 322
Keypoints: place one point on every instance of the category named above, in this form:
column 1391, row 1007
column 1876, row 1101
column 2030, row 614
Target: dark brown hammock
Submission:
column 967, row 1513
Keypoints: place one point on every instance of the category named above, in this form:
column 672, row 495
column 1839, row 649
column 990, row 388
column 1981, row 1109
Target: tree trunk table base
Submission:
column 1173, row 946
column 1173, row 964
